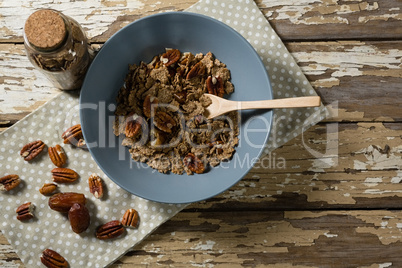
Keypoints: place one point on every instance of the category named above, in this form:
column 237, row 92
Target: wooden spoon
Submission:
column 221, row 106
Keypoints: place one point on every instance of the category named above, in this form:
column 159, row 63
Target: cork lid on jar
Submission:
column 45, row 29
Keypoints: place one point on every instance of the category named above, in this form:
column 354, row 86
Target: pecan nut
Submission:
column 64, row 175
column 197, row 70
column 109, row 230
column 134, row 125
column 95, row 185
column 130, row 218
column 170, row 57
column 72, row 135
column 164, row 121
column 32, row 149
column 9, row 182
column 79, row 218
column 215, row 86
column 194, row 163
column 48, row 188
column 62, row 202
column 52, row 259
column 25, row 211
column 57, row 155
column 149, row 106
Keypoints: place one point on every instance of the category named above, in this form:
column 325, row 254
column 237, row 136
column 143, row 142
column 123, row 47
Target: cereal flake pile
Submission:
column 160, row 113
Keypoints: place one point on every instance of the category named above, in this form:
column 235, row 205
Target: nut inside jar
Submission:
column 160, row 113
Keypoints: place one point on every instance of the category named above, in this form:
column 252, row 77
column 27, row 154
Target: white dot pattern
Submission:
column 50, row 229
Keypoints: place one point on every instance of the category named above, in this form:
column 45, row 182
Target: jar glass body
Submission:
column 66, row 65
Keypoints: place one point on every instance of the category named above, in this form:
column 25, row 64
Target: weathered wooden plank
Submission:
column 8, row 257
column 363, row 79
column 332, row 166
column 251, row 239
column 334, row 69
column 100, row 19
column 263, row 238
column 334, row 19
column 292, row 19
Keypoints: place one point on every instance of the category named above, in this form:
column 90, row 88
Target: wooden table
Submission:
column 334, row 210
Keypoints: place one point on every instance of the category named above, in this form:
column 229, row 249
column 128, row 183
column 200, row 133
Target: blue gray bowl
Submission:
column 140, row 41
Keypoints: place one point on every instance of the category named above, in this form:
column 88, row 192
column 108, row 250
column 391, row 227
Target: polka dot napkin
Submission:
column 50, row 229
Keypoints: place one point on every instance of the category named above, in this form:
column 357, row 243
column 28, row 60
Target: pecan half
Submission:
column 25, row 211
column 48, row 188
column 170, row 57
column 95, row 185
column 130, row 218
column 134, row 125
column 149, row 106
column 215, row 86
column 164, row 121
column 109, row 230
column 197, row 70
column 79, row 218
column 72, row 135
column 57, row 155
column 194, row 163
column 64, row 175
column 62, row 202
column 9, row 182
column 52, row 259
column 32, row 149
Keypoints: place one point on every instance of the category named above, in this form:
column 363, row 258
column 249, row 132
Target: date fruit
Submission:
column 79, row 218
column 62, row 202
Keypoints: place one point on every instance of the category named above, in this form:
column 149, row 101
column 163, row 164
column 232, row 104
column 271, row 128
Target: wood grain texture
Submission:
column 292, row 19
column 339, row 71
column 330, row 166
column 334, row 19
column 273, row 239
column 328, row 198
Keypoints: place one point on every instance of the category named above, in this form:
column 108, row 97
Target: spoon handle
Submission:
column 308, row 101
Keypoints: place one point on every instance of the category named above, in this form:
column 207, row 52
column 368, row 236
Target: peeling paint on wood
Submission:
column 334, row 198
column 98, row 18
column 303, row 19
column 328, row 65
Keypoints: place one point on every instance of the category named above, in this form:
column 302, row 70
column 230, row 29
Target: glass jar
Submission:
column 57, row 45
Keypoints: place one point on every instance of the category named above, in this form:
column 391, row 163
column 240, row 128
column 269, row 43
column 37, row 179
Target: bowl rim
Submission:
column 269, row 93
